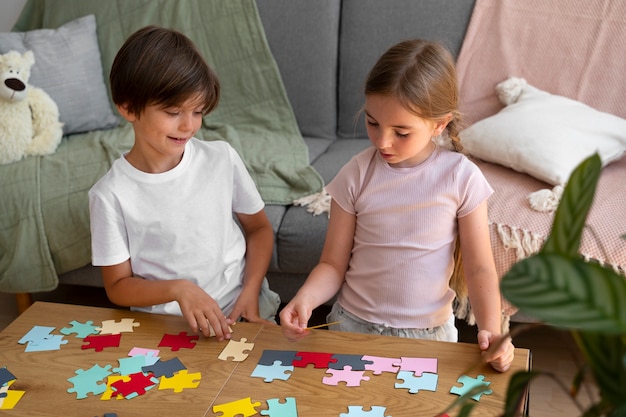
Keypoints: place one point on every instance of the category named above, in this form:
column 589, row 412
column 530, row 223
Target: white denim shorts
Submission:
column 348, row 322
column 269, row 302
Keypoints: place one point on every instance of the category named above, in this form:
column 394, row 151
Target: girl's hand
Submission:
column 294, row 318
column 201, row 311
column 497, row 350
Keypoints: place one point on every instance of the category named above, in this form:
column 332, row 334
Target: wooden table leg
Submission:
column 24, row 300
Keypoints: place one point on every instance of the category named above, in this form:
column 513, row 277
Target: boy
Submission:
column 162, row 218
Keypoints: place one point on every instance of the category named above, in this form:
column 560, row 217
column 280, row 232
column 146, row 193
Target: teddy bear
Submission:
column 29, row 118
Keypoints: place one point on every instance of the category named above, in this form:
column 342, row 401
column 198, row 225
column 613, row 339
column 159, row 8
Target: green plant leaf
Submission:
column 517, row 391
column 567, row 292
column 571, row 215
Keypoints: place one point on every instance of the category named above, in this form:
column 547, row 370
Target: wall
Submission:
column 9, row 12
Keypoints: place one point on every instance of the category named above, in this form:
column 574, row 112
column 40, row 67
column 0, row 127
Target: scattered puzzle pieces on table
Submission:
column 318, row 359
column 418, row 365
column 181, row 380
column 379, row 364
column 99, row 342
column 347, row 375
column 238, row 350
column 425, row 382
column 244, row 407
column 89, row 381
column 109, row 392
column 359, row 411
column 116, row 327
column 276, row 408
column 138, row 384
column 469, row 383
column 271, row 372
column 81, row 330
column 180, row 340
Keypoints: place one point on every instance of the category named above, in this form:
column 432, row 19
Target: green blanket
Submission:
column 44, row 217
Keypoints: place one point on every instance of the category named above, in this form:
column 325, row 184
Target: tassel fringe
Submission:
column 316, row 204
column 545, row 200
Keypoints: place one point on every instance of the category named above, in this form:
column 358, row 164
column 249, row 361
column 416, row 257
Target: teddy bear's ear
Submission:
column 29, row 58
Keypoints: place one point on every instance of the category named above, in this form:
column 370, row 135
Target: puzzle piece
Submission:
column 180, row 340
column 380, row 364
column 165, row 368
column 276, row 408
column 272, row 372
column 238, row 350
column 286, row 357
column 99, row 342
column 109, row 392
column 180, row 381
column 36, row 334
column 81, row 330
column 54, row 342
column 6, row 376
column 151, row 355
column 138, row 384
column 425, row 382
column 88, row 381
column 347, row 375
column 116, row 327
column 10, row 399
column 469, row 383
column 130, row 365
column 318, row 359
column 244, row 407
column 418, row 365
column 359, row 411
column 356, row 362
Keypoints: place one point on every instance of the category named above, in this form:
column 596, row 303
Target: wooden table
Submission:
column 44, row 375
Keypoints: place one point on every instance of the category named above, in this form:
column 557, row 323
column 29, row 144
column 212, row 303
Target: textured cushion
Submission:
column 544, row 135
column 68, row 67
column 370, row 27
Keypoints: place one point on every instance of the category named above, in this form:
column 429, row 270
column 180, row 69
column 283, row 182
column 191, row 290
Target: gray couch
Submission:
column 324, row 50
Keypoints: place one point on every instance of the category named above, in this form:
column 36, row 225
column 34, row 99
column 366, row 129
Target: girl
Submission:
column 397, row 211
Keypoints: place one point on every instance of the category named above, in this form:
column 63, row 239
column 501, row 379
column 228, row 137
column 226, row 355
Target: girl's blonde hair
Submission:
column 421, row 74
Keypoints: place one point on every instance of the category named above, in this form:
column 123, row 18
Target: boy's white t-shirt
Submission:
column 177, row 224
column 406, row 226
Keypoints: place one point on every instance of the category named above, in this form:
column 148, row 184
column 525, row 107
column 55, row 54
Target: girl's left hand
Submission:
column 497, row 350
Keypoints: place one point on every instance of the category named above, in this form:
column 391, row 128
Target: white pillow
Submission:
column 544, row 135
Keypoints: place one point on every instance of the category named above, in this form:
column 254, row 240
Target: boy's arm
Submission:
column 484, row 288
column 259, row 245
column 198, row 308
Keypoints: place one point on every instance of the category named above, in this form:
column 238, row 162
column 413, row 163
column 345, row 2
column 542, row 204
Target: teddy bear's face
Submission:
column 14, row 74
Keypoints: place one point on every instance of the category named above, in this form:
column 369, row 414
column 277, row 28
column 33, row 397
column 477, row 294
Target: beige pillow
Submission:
column 544, row 135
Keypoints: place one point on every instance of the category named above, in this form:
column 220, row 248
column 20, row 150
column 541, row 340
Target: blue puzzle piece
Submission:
column 130, row 365
column 82, row 330
column 355, row 362
column 469, row 383
column 281, row 409
column 286, row 357
column 426, row 382
column 358, row 411
column 89, row 381
column 5, row 376
column 275, row 371
column 36, row 334
column 54, row 342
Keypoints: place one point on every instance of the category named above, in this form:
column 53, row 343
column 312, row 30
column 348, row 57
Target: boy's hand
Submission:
column 293, row 321
column 247, row 307
column 497, row 350
column 201, row 311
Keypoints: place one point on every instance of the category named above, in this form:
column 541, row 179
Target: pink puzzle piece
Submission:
column 418, row 365
column 381, row 364
column 318, row 359
column 347, row 375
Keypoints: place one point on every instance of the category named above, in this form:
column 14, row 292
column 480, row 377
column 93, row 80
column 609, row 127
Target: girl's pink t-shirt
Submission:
column 406, row 226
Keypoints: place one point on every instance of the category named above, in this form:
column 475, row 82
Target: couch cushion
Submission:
column 370, row 27
column 303, row 36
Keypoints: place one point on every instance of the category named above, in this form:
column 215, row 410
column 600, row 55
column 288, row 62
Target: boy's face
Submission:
column 161, row 134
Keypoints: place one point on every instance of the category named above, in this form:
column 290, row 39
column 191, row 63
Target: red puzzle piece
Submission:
column 137, row 385
column 318, row 359
column 99, row 342
column 177, row 341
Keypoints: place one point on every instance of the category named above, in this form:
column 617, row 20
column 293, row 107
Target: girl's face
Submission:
column 161, row 134
column 402, row 138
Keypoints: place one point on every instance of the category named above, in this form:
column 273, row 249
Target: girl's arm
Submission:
column 484, row 288
column 259, row 244
column 326, row 278
column 125, row 289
